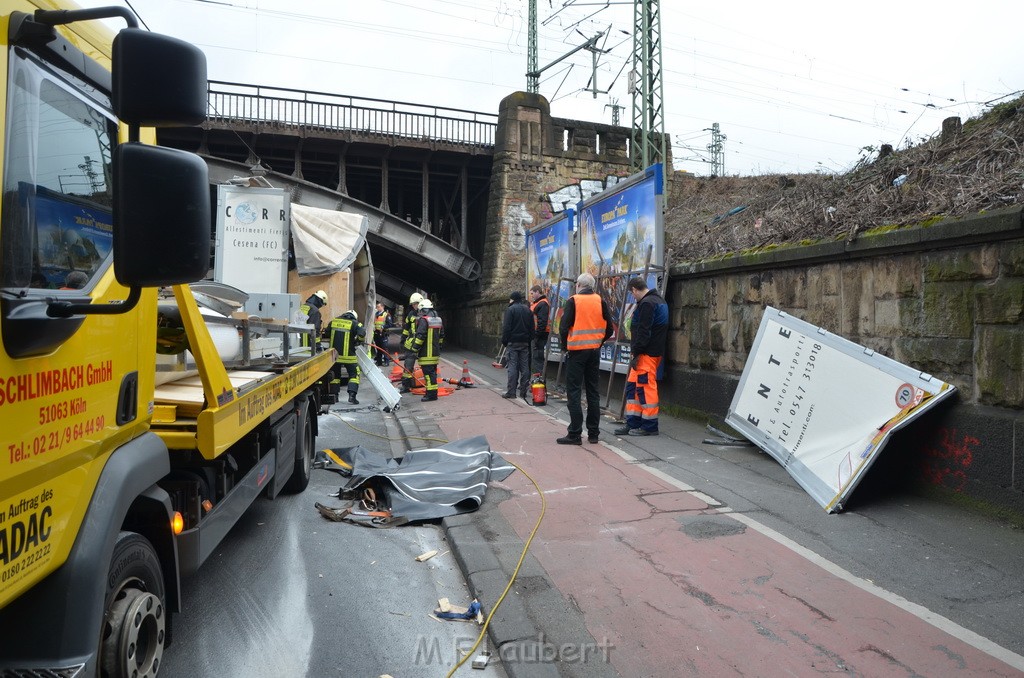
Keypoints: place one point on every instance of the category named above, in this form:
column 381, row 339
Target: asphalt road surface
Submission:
column 289, row 593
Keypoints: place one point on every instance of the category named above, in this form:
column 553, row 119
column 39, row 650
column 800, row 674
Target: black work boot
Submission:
column 352, row 399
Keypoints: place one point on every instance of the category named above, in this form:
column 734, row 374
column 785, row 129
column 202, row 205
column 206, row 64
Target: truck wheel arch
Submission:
column 75, row 592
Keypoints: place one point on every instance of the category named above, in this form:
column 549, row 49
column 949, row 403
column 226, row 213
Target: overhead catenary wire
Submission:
column 433, row 36
column 885, row 100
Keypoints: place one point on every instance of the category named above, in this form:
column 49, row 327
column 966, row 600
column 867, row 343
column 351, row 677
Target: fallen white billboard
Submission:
column 823, row 406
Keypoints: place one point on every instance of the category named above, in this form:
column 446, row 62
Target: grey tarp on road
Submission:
column 430, row 483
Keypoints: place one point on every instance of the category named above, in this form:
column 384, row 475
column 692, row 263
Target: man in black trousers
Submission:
column 586, row 325
column 516, row 333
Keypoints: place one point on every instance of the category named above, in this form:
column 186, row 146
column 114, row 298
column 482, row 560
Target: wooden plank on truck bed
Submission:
column 188, row 400
column 186, row 394
column 238, row 378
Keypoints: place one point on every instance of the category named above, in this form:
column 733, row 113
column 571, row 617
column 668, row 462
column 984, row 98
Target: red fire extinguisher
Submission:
column 540, row 392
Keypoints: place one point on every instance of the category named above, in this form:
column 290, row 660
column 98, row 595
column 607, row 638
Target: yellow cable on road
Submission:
column 338, row 460
column 515, row 572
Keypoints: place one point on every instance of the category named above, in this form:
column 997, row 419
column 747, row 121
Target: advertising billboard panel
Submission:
column 621, row 234
column 550, row 257
column 823, row 406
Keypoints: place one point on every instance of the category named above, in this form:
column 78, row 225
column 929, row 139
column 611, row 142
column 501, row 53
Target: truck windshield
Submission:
column 55, row 226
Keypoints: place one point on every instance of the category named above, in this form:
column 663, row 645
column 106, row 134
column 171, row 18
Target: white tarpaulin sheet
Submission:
column 823, row 406
column 325, row 241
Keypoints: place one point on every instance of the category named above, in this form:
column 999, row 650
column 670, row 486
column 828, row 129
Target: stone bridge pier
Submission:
column 542, row 165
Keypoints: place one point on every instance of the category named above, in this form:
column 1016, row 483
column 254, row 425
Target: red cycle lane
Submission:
column 678, row 587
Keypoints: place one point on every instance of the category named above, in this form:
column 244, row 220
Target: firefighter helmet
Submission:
column 415, row 298
column 321, row 295
column 355, row 316
column 426, row 305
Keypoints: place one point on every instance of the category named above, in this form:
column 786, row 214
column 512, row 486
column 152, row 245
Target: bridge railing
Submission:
column 323, row 112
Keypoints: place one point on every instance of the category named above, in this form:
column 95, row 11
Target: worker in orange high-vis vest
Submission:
column 648, row 335
column 586, row 325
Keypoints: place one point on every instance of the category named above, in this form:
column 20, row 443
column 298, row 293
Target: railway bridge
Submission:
column 447, row 192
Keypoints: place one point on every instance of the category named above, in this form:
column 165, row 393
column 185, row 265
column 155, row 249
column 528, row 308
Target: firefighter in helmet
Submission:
column 408, row 332
column 381, row 325
column 311, row 309
column 347, row 333
column 426, row 344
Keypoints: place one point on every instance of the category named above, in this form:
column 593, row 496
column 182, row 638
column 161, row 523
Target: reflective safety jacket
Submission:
column 381, row 320
column 428, row 338
column 346, row 334
column 409, row 325
column 589, row 327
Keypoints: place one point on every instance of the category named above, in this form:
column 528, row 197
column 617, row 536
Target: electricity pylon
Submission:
column 647, row 141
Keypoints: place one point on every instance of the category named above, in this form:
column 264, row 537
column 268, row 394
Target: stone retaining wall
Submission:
column 947, row 299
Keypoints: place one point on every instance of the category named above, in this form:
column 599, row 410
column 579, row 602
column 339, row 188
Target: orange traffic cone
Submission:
column 396, row 368
column 466, row 381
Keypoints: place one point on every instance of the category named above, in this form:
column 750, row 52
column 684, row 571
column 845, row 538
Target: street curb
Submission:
column 480, row 563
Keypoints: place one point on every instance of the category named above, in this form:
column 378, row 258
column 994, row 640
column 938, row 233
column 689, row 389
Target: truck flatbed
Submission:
column 185, row 419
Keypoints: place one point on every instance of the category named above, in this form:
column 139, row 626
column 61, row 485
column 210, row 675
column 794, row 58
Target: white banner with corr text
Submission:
column 252, row 238
column 823, row 406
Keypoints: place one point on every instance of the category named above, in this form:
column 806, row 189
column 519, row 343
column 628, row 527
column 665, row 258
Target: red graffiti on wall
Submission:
column 947, row 462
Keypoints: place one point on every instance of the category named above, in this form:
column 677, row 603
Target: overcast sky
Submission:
column 795, row 86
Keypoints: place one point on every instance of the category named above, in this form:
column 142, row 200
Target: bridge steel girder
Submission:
column 392, row 288
column 410, row 257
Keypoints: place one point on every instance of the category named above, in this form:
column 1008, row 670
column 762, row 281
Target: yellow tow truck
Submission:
column 112, row 485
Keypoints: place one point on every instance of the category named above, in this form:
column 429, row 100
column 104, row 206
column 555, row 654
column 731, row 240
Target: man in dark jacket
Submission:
column 381, row 324
column 648, row 335
column 516, row 333
column 586, row 325
column 541, row 312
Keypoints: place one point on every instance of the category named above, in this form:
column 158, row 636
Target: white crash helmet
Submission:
column 321, row 295
column 415, row 298
column 355, row 316
column 425, row 304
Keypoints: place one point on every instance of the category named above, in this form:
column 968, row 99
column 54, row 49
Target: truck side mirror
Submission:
column 157, row 80
column 162, row 216
column 161, row 212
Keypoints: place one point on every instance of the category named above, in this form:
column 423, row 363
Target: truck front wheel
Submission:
column 135, row 616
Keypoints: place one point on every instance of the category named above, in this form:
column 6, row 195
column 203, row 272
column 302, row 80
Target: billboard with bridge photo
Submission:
column 551, row 263
column 622, row 234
